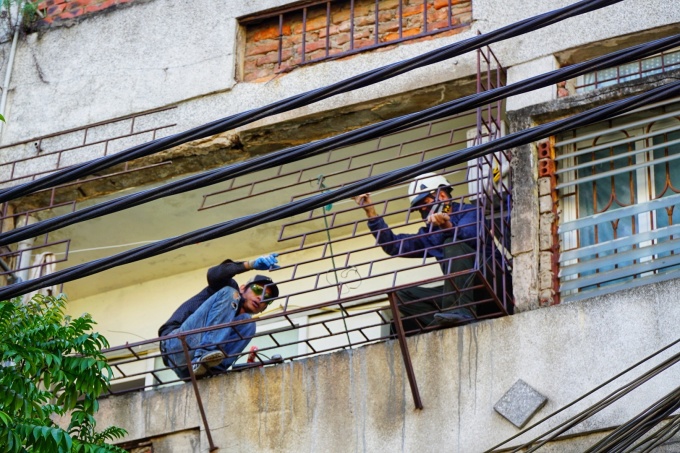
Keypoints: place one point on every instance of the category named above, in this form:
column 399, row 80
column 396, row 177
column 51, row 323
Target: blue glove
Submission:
column 266, row 262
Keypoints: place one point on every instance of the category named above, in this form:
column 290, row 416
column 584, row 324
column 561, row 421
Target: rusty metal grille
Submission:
column 22, row 260
column 341, row 290
column 333, row 252
column 48, row 153
column 657, row 64
column 350, row 164
column 331, row 29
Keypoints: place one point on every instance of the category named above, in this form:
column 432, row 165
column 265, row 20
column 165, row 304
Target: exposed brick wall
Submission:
column 548, row 240
column 262, row 37
column 55, row 12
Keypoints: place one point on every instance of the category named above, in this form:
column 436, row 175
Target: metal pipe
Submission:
column 8, row 73
column 404, row 350
column 24, row 251
column 199, row 401
column 13, row 278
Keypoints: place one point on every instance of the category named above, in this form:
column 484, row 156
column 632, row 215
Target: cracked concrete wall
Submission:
column 159, row 53
column 168, row 53
column 361, row 400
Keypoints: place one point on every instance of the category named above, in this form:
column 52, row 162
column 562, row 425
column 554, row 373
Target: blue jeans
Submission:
column 220, row 308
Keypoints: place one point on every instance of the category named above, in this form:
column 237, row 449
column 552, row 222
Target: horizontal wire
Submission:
column 368, row 78
column 665, row 364
column 629, row 432
column 358, row 135
column 367, row 185
column 659, row 437
column 600, row 405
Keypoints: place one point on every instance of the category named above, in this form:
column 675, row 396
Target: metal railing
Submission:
column 657, row 64
column 45, row 154
column 341, row 322
column 61, row 150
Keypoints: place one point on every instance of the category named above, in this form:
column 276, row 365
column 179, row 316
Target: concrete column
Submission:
column 530, row 69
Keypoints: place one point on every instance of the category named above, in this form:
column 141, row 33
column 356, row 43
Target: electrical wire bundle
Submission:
column 350, row 190
column 360, row 81
column 297, row 153
column 623, row 438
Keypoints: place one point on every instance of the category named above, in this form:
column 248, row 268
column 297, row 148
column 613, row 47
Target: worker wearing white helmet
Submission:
column 430, row 194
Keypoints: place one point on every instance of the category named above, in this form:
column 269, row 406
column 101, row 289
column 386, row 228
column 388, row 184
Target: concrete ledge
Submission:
column 360, row 400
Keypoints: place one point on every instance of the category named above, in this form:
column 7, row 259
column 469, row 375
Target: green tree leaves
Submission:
column 51, row 365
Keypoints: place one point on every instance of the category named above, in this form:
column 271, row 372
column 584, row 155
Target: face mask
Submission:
column 436, row 208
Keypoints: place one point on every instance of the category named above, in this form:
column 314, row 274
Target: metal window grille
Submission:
column 336, row 262
column 353, row 284
column 619, row 186
column 330, row 29
column 656, row 64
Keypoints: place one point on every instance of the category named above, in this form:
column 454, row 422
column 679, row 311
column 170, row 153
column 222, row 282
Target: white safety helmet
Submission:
column 424, row 185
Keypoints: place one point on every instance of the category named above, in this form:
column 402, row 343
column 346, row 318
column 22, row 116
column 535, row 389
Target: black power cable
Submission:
column 360, row 81
column 626, row 435
column 616, row 395
column 620, row 391
column 311, row 149
column 367, row 185
column 659, row 437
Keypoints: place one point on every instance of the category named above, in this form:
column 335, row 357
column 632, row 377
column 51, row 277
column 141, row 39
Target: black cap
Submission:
column 264, row 281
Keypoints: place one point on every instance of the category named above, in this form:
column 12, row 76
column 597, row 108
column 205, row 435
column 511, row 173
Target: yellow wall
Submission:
column 134, row 313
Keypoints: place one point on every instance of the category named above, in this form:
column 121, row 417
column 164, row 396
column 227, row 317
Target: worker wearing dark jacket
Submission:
column 449, row 236
column 222, row 301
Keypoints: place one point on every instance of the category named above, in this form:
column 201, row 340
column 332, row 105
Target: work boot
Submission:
column 455, row 317
column 207, row 361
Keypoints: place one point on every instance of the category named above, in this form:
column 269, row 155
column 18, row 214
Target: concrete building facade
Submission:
column 593, row 258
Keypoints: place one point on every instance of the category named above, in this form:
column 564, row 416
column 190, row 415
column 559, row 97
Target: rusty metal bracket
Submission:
column 404, row 350
column 187, row 358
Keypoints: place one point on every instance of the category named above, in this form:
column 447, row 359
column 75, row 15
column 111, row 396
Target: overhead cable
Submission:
column 581, row 398
column 553, row 433
column 368, row 78
column 349, row 138
column 628, row 433
column 367, row 185
column 659, row 437
column 614, row 396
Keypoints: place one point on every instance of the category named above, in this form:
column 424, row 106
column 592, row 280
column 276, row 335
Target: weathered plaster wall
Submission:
column 158, row 53
column 361, row 401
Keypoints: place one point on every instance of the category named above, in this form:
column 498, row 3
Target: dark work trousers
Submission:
column 453, row 293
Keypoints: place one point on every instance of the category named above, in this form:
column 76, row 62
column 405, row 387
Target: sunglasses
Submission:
column 258, row 290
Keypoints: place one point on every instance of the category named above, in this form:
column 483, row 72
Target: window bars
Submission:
column 279, row 41
column 45, row 154
column 619, row 189
column 657, row 64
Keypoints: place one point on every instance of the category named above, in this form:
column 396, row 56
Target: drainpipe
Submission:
column 10, row 65
column 24, row 252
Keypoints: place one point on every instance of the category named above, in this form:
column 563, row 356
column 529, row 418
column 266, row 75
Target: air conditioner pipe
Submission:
column 24, row 250
column 10, row 65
